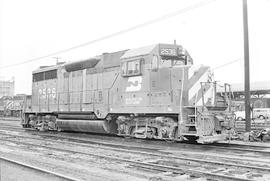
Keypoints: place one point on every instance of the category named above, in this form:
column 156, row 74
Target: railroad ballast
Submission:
column 148, row 92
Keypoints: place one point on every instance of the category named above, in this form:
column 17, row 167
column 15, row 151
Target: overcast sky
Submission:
column 213, row 33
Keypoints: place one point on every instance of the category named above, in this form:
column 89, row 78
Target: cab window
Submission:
column 131, row 68
column 171, row 62
column 165, row 63
column 154, row 63
column 124, row 68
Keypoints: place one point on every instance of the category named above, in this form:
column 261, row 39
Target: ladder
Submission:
column 189, row 126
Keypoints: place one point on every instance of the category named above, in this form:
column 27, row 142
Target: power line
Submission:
column 226, row 64
column 161, row 18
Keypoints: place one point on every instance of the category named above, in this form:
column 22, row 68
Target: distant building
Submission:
column 7, row 87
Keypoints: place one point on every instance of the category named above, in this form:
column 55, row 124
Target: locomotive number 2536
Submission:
column 168, row 51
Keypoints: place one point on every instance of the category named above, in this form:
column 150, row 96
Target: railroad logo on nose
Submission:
column 134, row 84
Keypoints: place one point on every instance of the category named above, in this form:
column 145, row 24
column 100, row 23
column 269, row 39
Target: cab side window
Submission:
column 154, row 63
column 131, row 68
column 124, row 68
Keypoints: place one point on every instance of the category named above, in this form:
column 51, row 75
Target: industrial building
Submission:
column 6, row 87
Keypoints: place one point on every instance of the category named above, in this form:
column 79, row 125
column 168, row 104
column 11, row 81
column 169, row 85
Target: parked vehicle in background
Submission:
column 240, row 115
column 261, row 113
column 257, row 113
column 12, row 106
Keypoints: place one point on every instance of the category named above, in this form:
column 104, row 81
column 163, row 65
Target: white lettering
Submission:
column 53, row 93
column 47, row 92
column 133, row 100
column 168, row 51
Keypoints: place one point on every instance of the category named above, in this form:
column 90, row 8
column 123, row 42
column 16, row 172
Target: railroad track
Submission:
column 129, row 149
column 237, row 147
column 155, row 166
column 36, row 169
column 220, row 146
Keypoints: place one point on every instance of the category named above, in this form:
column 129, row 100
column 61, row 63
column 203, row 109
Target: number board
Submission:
column 168, row 52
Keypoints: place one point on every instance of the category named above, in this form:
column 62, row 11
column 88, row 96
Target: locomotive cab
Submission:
column 159, row 56
column 150, row 78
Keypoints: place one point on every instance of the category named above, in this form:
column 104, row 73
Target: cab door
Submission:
column 160, row 83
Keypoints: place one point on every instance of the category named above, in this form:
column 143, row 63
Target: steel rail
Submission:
column 41, row 170
column 241, row 149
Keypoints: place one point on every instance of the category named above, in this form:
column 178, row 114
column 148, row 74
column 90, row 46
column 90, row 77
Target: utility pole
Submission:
column 246, row 64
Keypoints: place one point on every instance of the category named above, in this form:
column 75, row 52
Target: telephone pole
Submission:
column 246, row 64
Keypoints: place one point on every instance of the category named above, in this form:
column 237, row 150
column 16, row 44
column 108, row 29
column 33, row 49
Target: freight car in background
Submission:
column 13, row 106
column 148, row 92
column 3, row 103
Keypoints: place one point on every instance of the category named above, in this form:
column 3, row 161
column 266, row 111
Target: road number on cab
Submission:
column 168, row 52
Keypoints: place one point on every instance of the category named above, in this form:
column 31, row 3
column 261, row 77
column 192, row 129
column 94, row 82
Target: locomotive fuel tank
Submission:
column 92, row 126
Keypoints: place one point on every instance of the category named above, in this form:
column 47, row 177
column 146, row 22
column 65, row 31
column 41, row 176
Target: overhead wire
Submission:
column 228, row 63
column 158, row 19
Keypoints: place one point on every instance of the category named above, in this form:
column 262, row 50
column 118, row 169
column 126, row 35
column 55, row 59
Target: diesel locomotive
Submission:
column 148, row 92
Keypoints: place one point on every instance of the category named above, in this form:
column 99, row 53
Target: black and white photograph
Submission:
column 134, row 90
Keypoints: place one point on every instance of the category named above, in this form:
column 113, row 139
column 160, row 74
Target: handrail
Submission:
column 114, row 80
column 196, row 109
column 180, row 102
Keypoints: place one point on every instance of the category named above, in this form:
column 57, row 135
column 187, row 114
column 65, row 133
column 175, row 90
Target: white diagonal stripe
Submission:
column 197, row 86
column 193, row 69
column 208, row 94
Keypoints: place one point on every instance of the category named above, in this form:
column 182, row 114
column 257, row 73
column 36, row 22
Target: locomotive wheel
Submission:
column 130, row 134
column 169, row 140
column 150, row 133
column 239, row 119
column 175, row 137
column 192, row 139
column 58, row 129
